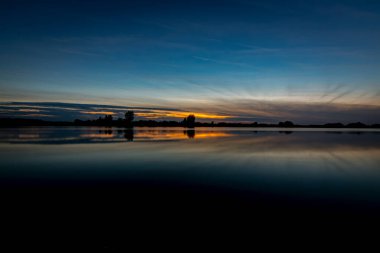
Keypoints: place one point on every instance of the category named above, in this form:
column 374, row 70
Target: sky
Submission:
column 228, row 60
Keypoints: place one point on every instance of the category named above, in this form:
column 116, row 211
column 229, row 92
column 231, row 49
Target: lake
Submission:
column 97, row 181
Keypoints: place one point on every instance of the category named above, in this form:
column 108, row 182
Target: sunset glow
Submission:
column 180, row 115
column 265, row 61
column 99, row 113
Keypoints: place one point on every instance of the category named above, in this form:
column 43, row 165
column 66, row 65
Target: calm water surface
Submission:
column 101, row 178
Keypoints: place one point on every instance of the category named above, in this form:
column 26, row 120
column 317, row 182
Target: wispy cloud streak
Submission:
column 244, row 110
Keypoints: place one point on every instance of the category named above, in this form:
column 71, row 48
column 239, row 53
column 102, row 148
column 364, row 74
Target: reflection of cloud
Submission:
column 234, row 144
column 160, row 134
column 94, row 135
column 247, row 143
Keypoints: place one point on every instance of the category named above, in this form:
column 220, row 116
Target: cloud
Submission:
column 29, row 110
column 98, row 112
column 231, row 110
column 249, row 110
column 68, row 111
column 36, row 115
column 157, row 114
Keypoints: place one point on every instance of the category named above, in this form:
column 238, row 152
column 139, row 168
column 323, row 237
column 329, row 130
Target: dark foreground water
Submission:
column 101, row 187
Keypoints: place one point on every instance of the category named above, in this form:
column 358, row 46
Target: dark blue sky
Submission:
column 229, row 60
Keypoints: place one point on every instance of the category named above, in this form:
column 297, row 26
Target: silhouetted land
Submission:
column 108, row 121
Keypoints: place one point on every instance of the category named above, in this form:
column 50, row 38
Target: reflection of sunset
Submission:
column 151, row 135
column 212, row 134
column 175, row 135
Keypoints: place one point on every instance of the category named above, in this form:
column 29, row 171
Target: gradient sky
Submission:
column 226, row 60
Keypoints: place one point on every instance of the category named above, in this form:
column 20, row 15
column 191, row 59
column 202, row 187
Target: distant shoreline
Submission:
column 20, row 122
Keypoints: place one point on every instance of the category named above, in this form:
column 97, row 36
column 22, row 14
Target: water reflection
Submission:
column 242, row 148
column 128, row 134
column 71, row 135
column 257, row 169
column 189, row 133
column 94, row 135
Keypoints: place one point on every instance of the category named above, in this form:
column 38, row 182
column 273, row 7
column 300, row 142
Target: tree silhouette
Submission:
column 129, row 117
column 286, row 124
column 189, row 121
column 356, row 125
column 108, row 120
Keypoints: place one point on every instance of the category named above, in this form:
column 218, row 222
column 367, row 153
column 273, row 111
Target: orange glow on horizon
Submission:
column 98, row 135
column 98, row 113
column 159, row 114
column 156, row 114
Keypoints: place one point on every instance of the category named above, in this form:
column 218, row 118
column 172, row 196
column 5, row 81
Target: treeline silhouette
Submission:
column 188, row 122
